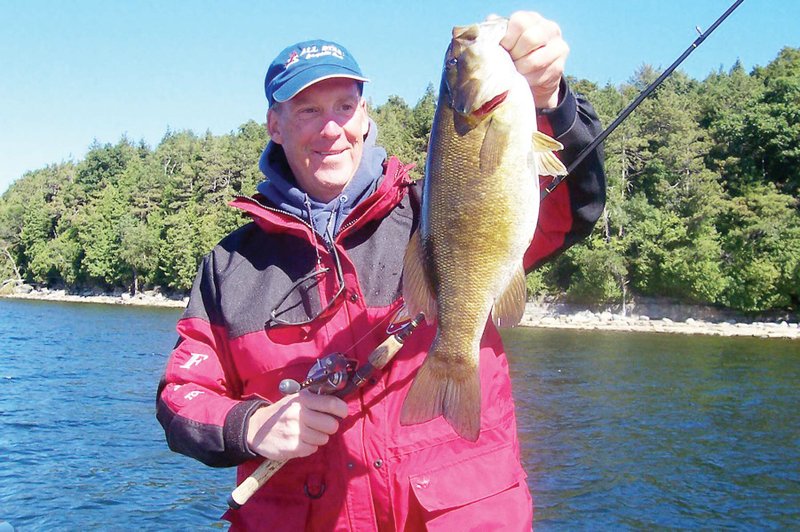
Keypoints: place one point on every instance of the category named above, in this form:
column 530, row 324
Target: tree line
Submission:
column 702, row 203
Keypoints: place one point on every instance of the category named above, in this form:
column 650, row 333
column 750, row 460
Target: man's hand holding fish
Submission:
column 539, row 52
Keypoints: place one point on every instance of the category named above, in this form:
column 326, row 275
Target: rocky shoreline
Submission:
column 557, row 317
column 657, row 316
column 148, row 298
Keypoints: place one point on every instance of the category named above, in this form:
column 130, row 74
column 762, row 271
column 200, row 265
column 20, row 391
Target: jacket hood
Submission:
column 280, row 187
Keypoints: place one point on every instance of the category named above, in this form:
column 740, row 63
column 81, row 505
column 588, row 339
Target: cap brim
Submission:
column 308, row 77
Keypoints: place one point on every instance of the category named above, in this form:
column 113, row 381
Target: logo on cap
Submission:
column 293, row 58
column 314, row 52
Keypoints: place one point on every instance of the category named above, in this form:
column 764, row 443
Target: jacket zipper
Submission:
column 353, row 221
column 290, row 215
column 274, row 209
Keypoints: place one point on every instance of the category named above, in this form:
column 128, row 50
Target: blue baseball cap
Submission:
column 305, row 63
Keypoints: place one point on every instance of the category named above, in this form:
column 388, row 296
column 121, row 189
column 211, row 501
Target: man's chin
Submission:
column 330, row 186
column 333, row 178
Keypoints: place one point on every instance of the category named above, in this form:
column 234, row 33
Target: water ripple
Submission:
column 626, row 431
column 618, row 431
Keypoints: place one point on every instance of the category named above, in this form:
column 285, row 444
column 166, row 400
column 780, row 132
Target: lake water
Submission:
column 619, row 431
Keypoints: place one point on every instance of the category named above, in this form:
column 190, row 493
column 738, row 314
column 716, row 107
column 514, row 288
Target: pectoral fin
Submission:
column 510, row 306
column 417, row 291
column 546, row 161
column 542, row 143
column 492, row 148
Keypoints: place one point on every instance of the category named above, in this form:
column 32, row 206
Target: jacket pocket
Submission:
column 462, row 484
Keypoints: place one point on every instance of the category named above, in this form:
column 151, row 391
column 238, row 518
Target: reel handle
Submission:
column 289, row 386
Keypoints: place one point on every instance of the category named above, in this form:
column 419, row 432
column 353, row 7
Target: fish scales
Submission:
column 479, row 212
column 478, row 221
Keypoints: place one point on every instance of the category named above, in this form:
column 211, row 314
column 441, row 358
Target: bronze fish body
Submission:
column 479, row 212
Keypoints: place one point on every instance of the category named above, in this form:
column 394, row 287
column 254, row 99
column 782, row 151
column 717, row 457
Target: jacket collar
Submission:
column 393, row 186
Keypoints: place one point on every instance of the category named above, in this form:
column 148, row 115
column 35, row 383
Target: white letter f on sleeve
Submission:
column 195, row 360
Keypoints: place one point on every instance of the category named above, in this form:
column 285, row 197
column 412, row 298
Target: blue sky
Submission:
column 72, row 72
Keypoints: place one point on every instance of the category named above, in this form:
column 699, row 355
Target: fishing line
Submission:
column 644, row 94
column 394, row 322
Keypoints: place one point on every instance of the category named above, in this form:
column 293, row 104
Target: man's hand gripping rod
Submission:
column 332, row 374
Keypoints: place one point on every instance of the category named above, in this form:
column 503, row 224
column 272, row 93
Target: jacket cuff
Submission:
column 234, row 432
column 563, row 116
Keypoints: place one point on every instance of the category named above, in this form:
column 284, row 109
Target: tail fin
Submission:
column 451, row 390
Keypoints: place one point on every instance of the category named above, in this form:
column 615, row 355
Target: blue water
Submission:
column 650, row 431
column 79, row 441
column 619, row 431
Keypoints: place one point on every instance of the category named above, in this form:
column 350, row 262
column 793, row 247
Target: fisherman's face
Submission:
column 322, row 132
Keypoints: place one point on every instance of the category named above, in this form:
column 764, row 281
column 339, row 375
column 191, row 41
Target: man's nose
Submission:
column 331, row 126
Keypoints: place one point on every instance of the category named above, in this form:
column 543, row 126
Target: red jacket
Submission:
column 374, row 473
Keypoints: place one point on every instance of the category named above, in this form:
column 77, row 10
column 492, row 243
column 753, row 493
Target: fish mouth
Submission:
column 490, row 106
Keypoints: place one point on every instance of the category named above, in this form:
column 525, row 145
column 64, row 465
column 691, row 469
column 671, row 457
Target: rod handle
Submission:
column 251, row 484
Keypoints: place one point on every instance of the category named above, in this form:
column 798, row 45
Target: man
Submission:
column 318, row 271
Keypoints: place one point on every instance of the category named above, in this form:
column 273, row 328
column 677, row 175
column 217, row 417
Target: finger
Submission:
column 546, row 63
column 526, row 31
column 516, row 25
column 319, row 421
column 324, row 403
column 545, row 83
column 304, row 449
column 313, row 438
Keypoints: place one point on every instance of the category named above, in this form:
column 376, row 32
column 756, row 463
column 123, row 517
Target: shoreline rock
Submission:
column 653, row 316
column 662, row 317
column 147, row 298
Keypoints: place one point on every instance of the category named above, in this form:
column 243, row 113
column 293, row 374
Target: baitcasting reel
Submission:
column 327, row 376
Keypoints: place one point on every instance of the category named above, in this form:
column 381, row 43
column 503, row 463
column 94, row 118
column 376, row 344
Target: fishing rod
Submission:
column 644, row 94
column 337, row 375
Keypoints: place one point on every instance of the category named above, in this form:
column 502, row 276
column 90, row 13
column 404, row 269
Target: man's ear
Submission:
column 273, row 127
column 365, row 127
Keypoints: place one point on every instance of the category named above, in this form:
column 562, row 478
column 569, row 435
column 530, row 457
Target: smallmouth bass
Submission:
column 479, row 211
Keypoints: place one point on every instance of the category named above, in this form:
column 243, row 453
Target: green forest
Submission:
column 702, row 207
